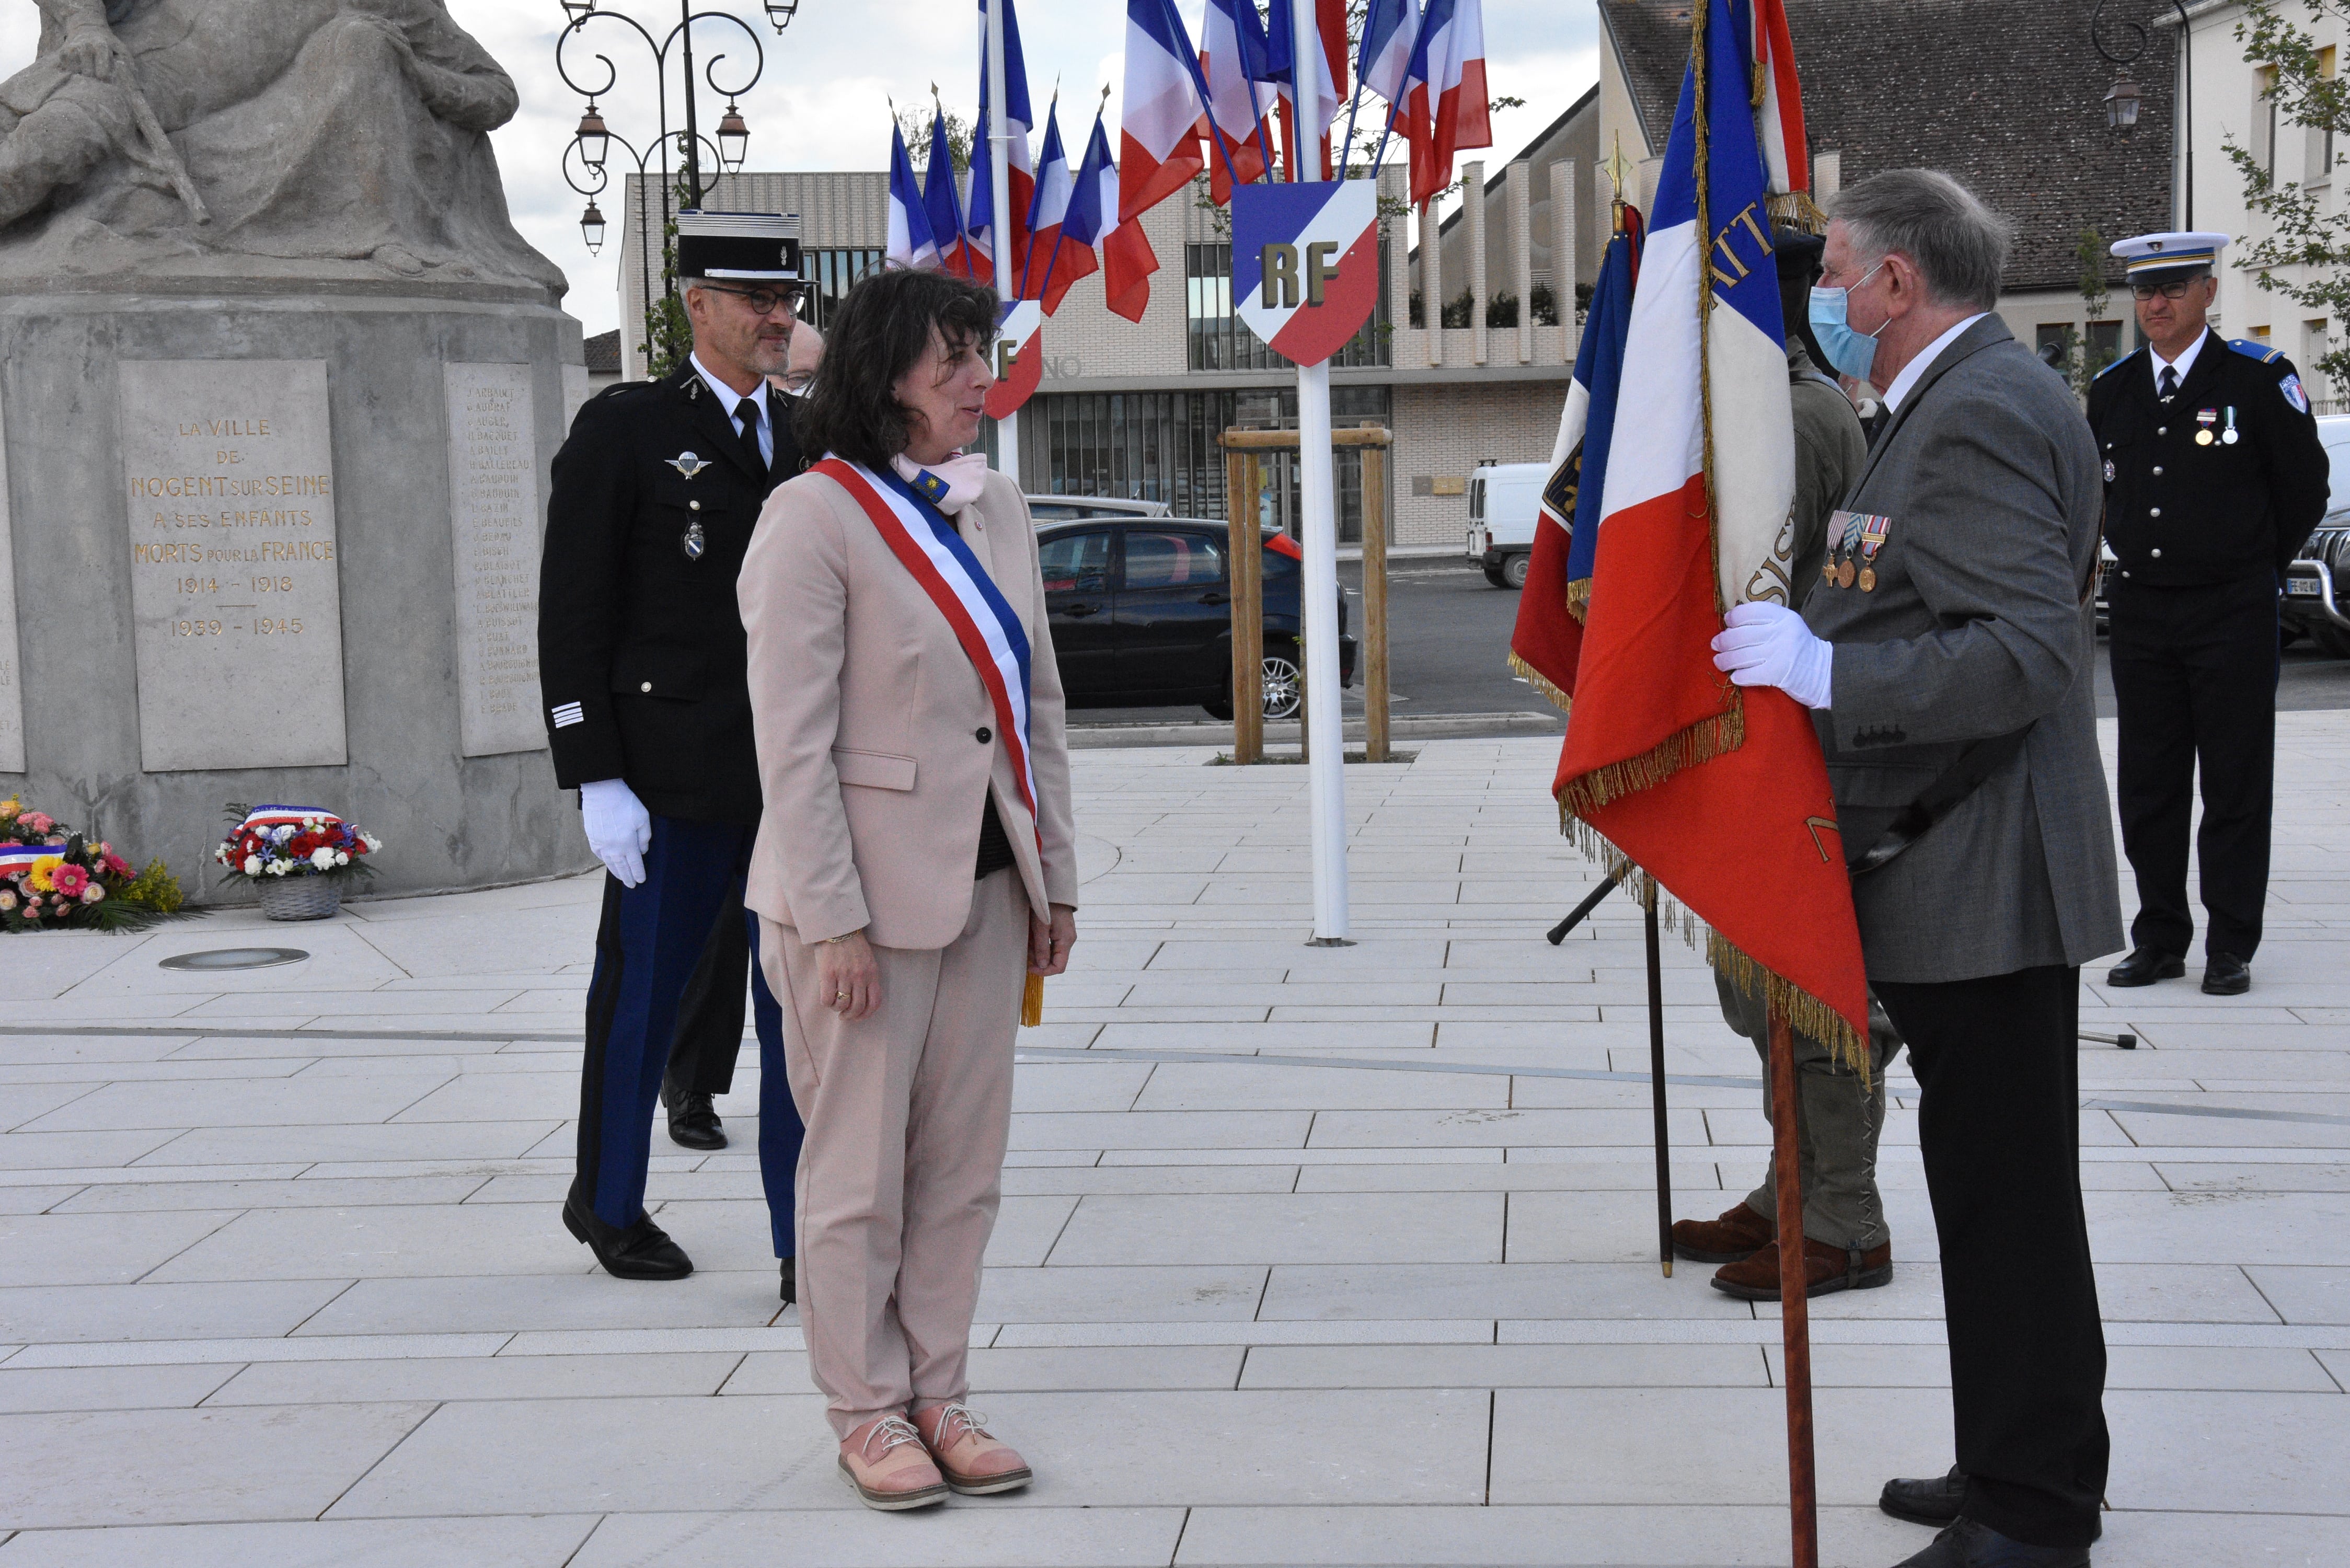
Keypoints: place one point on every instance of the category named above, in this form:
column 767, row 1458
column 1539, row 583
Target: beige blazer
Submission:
column 868, row 714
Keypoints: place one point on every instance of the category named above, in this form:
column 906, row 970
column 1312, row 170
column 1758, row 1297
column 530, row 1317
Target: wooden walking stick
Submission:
column 1656, row 1089
column 1795, row 1312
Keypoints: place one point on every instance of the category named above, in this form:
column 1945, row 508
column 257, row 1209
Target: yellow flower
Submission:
column 11, row 808
column 38, row 878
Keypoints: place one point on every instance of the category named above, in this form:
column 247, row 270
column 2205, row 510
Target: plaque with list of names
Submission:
column 236, row 606
column 494, row 519
column 11, row 694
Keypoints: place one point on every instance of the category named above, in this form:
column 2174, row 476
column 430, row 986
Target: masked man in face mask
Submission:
column 1947, row 653
column 643, row 660
column 1846, row 1245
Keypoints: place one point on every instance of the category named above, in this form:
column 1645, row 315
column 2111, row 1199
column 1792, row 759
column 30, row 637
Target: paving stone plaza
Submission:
column 1306, row 1256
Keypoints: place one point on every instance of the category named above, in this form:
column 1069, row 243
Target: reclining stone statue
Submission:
column 208, row 133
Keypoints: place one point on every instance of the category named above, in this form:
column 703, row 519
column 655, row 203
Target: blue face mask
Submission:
column 1850, row 351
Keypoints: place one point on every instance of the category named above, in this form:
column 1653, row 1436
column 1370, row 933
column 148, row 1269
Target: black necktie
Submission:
column 746, row 413
column 2170, row 387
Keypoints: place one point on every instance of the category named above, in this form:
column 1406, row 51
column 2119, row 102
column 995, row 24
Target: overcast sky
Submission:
column 821, row 103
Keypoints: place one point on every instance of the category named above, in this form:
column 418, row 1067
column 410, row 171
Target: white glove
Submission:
column 619, row 828
column 1769, row 645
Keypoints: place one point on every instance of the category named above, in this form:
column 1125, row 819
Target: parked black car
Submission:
column 1142, row 614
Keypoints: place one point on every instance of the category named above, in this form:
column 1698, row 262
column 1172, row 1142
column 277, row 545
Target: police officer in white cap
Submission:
column 2214, row 477
column 642, row 659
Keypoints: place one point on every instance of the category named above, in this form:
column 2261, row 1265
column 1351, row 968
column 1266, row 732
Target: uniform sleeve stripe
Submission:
column 569, row 714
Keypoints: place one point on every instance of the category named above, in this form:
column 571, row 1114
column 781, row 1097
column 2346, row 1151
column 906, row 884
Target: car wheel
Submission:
column 2331, row 641
column 1514, row 570
column 1285, row 685
column 2287, row 635
column 1220, row 710
column 1493, row 576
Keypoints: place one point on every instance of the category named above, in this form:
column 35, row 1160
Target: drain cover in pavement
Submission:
column 235, row 957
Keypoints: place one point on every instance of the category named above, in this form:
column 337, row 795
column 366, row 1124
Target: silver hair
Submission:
column 1958, row 244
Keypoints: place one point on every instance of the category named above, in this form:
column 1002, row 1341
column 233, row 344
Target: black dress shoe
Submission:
column 791, row 1281
column 2225, row 974
column 639, row 1251
column 1934, row 1501
column 693, row 1123
column 2145, row 966
column 1967, row 1544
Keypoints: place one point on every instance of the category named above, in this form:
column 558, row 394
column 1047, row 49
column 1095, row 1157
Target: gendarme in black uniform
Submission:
column 2210, row 494
column 642, row 664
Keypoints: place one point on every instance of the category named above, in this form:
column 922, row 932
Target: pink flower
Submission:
column 37, row 822
column 115, row 863
column 94, row 893
column 71, row 881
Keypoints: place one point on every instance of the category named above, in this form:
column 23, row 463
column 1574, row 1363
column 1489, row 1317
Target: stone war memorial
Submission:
column 279, row 384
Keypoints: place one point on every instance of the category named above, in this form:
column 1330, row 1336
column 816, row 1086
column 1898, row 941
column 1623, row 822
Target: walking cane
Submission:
column 1794, row 1307
column 1608, row 885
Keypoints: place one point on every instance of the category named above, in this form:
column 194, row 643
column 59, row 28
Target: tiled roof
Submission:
column 2007, row 95
column 603, row 353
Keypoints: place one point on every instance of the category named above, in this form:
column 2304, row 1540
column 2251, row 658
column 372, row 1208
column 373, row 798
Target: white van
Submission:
column 1504, row 504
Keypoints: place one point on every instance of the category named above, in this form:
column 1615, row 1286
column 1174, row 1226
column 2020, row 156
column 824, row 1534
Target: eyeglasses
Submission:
column 764, row 301
column 2172, row 288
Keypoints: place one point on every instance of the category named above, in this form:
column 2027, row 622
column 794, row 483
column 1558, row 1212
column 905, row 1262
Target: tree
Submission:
column 2301, row 233
column 915, row 126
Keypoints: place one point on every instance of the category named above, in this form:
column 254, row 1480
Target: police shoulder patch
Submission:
column 2256, row 350
column 2294, row 393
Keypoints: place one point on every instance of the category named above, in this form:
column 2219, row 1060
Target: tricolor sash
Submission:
column 927, row 544
column 15, row 858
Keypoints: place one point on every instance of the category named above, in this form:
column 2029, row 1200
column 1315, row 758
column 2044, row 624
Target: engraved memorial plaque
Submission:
column 11, row 694
column 236, row 609
column 493, row 521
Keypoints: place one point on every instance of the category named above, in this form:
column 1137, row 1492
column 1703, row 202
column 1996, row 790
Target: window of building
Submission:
column 2104, row 344
column 2264, row 119
column 827, row 275
column 1217, row 340
column 2318, row 169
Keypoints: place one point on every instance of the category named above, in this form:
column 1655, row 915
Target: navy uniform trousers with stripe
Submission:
column 647, row 944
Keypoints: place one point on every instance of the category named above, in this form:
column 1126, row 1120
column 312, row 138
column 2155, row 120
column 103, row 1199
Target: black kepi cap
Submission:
column 748, row 248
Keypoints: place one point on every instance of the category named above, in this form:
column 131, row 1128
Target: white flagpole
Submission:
column 999, row 133
column 1326, row 771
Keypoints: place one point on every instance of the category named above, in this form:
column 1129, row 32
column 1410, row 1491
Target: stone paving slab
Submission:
column 1329, row 1256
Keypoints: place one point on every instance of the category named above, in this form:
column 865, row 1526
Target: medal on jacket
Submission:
column 692, row 541
column 686, row 463
column 1873, row 529
column 2207, row 417
column 2228, row 437
column 1841, row 572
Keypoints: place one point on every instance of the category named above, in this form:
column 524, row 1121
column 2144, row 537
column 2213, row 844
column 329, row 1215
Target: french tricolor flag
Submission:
column 1235, row 59
column 1446, row 92
column 1058, row 252
column 941, row 205
column 1128, row 260
column 1324, row 82
column 979, row 214
column 1159, row 135
column 911, row 243
column 1019, row 123
column 1390, row 28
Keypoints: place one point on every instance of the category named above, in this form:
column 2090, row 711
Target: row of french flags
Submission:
column 1231, row 109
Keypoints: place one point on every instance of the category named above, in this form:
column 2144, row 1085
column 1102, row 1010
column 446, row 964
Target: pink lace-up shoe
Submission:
column 884, row 1461
column 967, row 1454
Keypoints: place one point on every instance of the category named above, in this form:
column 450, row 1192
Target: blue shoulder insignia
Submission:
column 2117, row 364
column 2257, row 350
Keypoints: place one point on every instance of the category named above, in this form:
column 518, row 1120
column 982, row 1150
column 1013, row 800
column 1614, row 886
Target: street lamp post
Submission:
column 587, row 156
column 2122, row 102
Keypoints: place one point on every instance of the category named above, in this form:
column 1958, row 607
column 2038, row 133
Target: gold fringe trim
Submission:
column 1542, row 683
column 1700, row 742
column 1797, row 211
column 1578, row 599
column 1804, row 1013
column 1032, row 1002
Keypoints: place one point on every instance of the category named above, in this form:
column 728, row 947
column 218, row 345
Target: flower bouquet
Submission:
column 53, row 877
column 298, row 858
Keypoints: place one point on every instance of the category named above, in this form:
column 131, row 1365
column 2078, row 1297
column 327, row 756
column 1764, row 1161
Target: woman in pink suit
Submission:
column 915, row 863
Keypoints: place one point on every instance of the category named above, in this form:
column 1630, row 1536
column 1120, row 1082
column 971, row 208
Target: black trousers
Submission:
column 709, row 1034
column 2195, row 682
column 1999, row 1119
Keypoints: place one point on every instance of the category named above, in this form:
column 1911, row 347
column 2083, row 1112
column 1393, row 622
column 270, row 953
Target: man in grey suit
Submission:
column 1946, row 654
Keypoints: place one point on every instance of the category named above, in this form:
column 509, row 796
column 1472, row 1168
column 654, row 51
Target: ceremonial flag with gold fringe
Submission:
column 1549, row 635
column 1719, row 796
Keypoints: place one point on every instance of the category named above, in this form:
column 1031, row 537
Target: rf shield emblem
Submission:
column 1305, row 263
